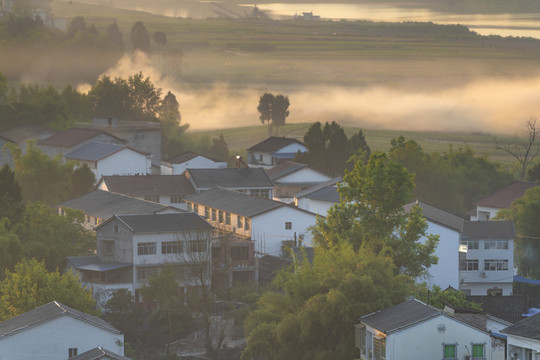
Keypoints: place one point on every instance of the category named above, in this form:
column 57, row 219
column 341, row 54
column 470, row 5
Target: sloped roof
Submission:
column 488, row 230
column 314, row 188
column 98, row 353
column 97, row 151
column 528, row 328
column 94, row 263
column 327, row 193
column 46, row 313
column 274, row 143
column 509, row 308
column 229, row 177
column 162, row 223
column 141, row 185
column 437, row 215
column 186, row 156
column 104, row 204
column 400, row 316
column 27, row 132
column 285, row 168
column 502, row 198
column 74, row 136
column 234, row 202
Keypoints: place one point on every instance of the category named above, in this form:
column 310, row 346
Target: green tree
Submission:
column 450, row 296
column 30, row 285
column 330, row 150
column 77, row 25
column 11, row 249
column 40, row 177
column 11, row 206
column 82, row 180
column 274, row 110
column 113, row 33
column 47, row 236
column 140, row 39
column 77, row 106
column 525, row 213
column 533, row 173
column 265, row 109
column 145, row 98
column 171, row 128
column 220, row 150
column 3, row 88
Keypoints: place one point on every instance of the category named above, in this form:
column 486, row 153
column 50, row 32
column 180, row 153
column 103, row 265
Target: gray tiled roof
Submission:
column 73, row 136
column 327, row 193
column 312, row 189
column 234, row 202
column 229, row 178
column 141, row 185
column 46, row 313
column 488, row 230
column 22, row 133
column 98, row 353
column 438, row 216
column 274, row 143
column 96, row 151
column 528, row 328
column 400, row 316
column 104, row 204
column 161, row 223
column 283, row 169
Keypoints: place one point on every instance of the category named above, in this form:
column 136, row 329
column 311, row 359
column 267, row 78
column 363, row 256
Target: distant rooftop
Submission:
column 283, row 169
column 274, row 143
column 97, row 151
column 502, row 198
column 71, row 137
column 437, row 215
column 229, row 177
column 160, row 223
column 488, row 230
column 142, row 185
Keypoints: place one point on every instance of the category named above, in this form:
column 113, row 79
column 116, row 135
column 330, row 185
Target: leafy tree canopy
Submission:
column 30, row 285
column 274, row 110
column 140, row 39
column 11, row 206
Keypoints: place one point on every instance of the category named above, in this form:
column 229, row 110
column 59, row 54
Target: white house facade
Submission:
column 289, row 178
column 523, row 339
column 273, row 151
column 189, row 160
column 55, row 331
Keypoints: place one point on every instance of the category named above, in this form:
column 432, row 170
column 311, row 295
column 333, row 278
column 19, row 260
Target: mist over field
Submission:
column 492, row 105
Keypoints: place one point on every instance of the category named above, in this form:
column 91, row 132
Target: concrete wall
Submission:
column 124, row 162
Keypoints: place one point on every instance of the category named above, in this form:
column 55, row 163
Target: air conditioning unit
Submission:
column 467, row 357
column 483, row 274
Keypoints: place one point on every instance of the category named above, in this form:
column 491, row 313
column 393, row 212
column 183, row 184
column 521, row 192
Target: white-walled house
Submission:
column 56, row 331
column 523, row 338
column 132, row 248
column 318, row 198
column 487, row 208
column 448, row 227
column 413, row 330
column 168, row 190
column 111, row 159
column 189, row 160
column 273, row 151
column 488, row 265
column 267, row 222
column 290, row 177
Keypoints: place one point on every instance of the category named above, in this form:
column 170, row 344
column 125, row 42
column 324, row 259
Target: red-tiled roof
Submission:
column 502, row 198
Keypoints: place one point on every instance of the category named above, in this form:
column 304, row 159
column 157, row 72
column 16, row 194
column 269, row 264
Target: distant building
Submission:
column 318, row 198
column 273, row 151
column 189, row 160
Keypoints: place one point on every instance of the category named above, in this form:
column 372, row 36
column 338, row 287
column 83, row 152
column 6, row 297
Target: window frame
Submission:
column 497, row 244
column 145, row 248
column 152, row 198
column 496, row 264
column 446, row 346
column 172, row 247
column 478, row 346
column 227, row 218
column 176, row 199
column 72, row 352
column 475, row 243
column 288, row 225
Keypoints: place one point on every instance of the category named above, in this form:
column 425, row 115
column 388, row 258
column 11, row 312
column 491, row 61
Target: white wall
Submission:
column 52, row 339
column 124, row 162
column 315, row 206
column 446, row 272
column 484, row 213
column 425, row 341
column 199, row 162
column 268, row 229
column 305, row 175
column 292, row 148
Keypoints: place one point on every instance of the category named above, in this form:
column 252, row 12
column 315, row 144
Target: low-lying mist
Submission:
column 491, row 105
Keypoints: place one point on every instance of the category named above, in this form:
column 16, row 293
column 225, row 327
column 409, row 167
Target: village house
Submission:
column 413, row 330
column 56, row 331
column 189, row 160
column 487, row 208
column 523, row 338
column 20, row 136
column 132, row 248
column 99, row 205
column 111, row 159
column 99, row 353
column 270, row 224
column 318, row 198
column 273, row 151
column 163, row 189
column 251, row 181
column 68, row 140
column 289, row 178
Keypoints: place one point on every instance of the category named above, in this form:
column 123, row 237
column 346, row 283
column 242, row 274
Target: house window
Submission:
column 177, row 199
column 146, row 248
column 288, row 225
column 260, row 158
column 470, row 243
column 196, row 208
column 449, row 351
column 152, row 198
column 495, row 265
column 72, row 352
column 265, row 194
column 360, row 339
column 189, row 206
column 239, row 223
column 145, row 273
column 478, row 351
column 469, row 265
column 246, row 224
column 172, row 247
column 197, row 246
column 220, row 213
column 228, row 218
column 496, row 244
column 107, row 247
column 214, row 216
column 206, row 212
